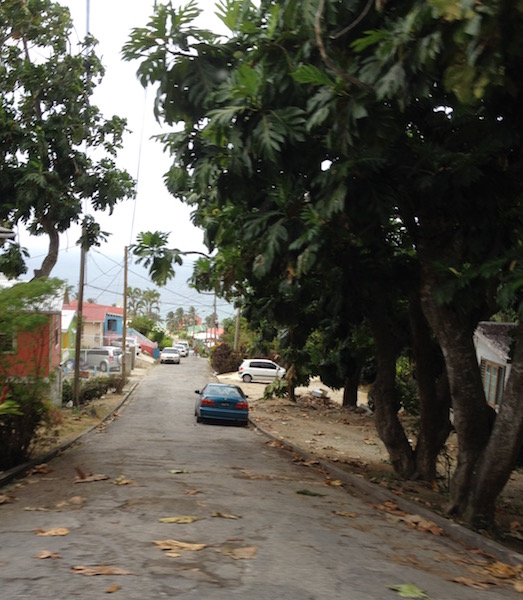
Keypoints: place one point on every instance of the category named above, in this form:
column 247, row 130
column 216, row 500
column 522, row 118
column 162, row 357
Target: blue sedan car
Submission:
column 222, row 402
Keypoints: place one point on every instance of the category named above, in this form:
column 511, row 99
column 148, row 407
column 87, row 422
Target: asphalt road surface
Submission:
column 266, row 528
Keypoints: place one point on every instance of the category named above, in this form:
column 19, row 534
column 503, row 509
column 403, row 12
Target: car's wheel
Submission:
column 198, row 419
column 247, row 378
column 103, row 367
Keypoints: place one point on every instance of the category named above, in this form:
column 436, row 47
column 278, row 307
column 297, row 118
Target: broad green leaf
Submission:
column 311, row 74
column 369, row 38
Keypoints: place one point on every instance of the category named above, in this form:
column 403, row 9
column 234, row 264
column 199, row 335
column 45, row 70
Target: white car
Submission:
column 130, row 342
column 260, row 369
column 181, row 349
column 170, row 355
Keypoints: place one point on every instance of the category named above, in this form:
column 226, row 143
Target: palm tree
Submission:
column 135, row 302
column 151, row 300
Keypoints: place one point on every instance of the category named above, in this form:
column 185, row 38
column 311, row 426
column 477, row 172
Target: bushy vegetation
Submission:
column 278, row 388
column 224, row 359
column 27, row 406
column 92, row 388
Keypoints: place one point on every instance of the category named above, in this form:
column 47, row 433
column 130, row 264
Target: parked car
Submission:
column 222, row 402
column 185, row 345
column 260, row 369
column 130, row 342
column 105, row 358
column 170, row 355
column 181, row 349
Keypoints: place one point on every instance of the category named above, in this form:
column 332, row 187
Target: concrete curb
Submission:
column 20, row 470
column 373, row 493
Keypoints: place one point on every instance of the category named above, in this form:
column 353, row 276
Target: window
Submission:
column 111, row 325
column 57, row 326
column 7, row 343
column 493, row 381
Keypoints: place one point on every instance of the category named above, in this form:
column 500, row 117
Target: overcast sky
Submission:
column 110, row 22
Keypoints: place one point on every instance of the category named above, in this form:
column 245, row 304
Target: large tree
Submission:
column 364, row 150
column 56, row 149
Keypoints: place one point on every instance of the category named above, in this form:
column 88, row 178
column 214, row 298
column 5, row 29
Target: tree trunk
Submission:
column 350, row 389
column 386, row 401
column 52, row 254
column 434, row 395
column 466, row 389
column 500, row 455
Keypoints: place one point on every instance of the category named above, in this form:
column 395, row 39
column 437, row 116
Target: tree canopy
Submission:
column 358, row 165
column 57, row 150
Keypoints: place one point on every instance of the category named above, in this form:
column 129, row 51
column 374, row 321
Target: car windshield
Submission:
column 224, row 391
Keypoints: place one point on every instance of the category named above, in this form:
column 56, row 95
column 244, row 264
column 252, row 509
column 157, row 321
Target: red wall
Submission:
column 36, row 352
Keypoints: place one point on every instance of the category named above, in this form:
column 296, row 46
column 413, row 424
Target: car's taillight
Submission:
column 208, row 402
column 242, row 405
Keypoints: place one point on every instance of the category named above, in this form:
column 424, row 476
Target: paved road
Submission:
column 284, row 545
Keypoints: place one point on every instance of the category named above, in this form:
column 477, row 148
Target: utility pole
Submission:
column 79, row 321
column 124, row 327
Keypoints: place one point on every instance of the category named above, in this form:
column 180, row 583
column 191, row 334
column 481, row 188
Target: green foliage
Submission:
column 336, row 173
column 51, row 132
column 28, row 402
column 406, row 386
column 279, row 388
column 224, row 359
column 93, row 388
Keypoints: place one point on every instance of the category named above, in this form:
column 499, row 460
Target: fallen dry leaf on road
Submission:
column 51, row 532
column 422, row 524
column 48, row 554
column 183, row 519
column 503, row 571
column 333, row 482
column 239, row 553
column 408, row 590
column 99, row 570
column 518, row 586
column 74, row 501
column 224, row 515
column 175, row 545
column 36, row 509
column 478, row 585
column 345, row 513
column 91, row 478
column 42, row 469
column 122, row 480
column 5, row 499
column 112, row 589
column 192, row 492
column 178, row 471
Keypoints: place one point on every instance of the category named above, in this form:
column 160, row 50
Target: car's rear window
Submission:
column 229, row 392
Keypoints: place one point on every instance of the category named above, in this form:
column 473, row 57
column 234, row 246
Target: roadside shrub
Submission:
column 224, row 359
column 278, row 388
column 67, row 391
column 18, row 426
column 92, row 388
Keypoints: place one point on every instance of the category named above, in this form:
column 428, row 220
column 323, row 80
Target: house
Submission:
column 36, row 352
column 493, row 343
column 68, row 334
column 100, row 323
